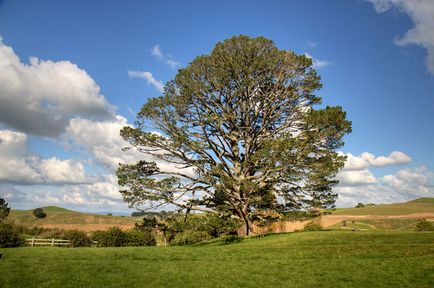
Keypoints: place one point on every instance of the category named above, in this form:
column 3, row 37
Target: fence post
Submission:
column 52, row 242
column 33, row 241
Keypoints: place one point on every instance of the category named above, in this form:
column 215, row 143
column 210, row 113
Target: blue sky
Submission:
column 382, row 75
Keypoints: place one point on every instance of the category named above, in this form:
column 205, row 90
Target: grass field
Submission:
column 421, row 205
column 307, row 259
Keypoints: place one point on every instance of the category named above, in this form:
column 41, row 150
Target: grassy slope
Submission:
column 310, row 259
column 422, row 205
column 57, row 215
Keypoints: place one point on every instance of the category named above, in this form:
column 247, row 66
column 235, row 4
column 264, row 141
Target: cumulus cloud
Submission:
column 168, row 59
column 405, row 185
column 19, row 166
column 422, row 34
column 316, row 63
column 354, row 178
column 358, row 184
column 41, row 97
column 102, row 140
column 157, row 84
column 367, row 159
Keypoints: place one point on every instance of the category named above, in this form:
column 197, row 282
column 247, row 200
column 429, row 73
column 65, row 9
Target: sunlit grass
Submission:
column 308, row 259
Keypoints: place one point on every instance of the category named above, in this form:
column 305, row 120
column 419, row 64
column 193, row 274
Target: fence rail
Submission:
column 46, row 242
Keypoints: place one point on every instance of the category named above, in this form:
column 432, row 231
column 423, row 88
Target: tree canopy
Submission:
column 4, row 209
column 241, row 133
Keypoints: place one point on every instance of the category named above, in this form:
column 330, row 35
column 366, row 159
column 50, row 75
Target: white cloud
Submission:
column 354, row 178
column 168, row 59
column 316, row 63
column 19, row 166
column 312, row 44
column 39, row 98
column 102, row 139
column 405, row 185
column 149, row 77
column 367, row 159
column 422, row 34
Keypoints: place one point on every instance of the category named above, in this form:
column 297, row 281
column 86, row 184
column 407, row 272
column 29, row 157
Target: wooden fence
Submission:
column 46, row 242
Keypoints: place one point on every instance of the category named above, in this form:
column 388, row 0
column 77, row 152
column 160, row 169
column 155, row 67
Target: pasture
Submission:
column 305, row 259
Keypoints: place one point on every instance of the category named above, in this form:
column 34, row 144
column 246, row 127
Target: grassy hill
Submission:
column 306, row 259
column 421, row 205
column 61, row 217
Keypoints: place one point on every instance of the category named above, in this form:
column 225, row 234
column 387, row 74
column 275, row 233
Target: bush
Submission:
column 114, row 237
column 39, row 213
column 9, row 236
column 4, row 209
column 360, row 205
column 77, row 238
column 139, row 238
column 424, row 225
column 190, row 237
column 312, row 226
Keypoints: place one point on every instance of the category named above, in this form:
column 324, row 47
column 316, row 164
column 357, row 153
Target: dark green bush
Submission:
column 139, row 238
column 9, row 236
column 39, row 213
column 190, row 237
column 312, row 226
column 113, row 237
column 211, row 224
column 77, row 238
column 424, row 225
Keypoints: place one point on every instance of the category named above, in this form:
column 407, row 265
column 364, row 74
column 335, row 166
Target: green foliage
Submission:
column 77, row 238
column 9, row 237
column 211, row 224
column 424, row 225
column 115, row 237
column 4, row 209
column 139, row 238
column 312, row 226
column 39, row 213
column 359, row 205
column 190, row 237
column 148, row 224
column 230, row 116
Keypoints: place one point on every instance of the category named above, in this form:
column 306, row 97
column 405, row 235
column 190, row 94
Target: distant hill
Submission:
column 62, row 218
column 420, row 205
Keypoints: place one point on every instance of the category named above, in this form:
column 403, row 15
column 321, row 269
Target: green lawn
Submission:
column 308, row 259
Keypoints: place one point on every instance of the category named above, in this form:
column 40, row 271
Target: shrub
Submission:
column 39, row 213
column 139, row 238
column 312, row 226
column 424, row 225
column 114, row 237
column 190, row 237
column 4, row 209
column 360, row 205
column 9, row 236
column 77, row 238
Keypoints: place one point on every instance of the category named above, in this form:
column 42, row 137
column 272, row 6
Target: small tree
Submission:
column 359, row 205
column 4, row 209
column 39, row 213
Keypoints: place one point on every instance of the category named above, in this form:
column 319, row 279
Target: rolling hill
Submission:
column 421, row 205
column 62, row 218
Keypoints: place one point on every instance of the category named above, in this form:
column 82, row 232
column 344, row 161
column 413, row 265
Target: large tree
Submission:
column 241, row 129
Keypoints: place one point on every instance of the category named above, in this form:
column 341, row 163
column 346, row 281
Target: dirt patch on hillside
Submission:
column 87, row 227
column 329, row 220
